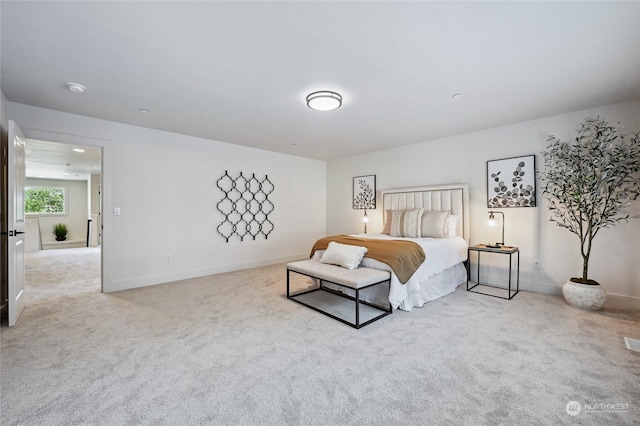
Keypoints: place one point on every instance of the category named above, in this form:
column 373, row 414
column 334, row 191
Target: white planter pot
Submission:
column 584, row 296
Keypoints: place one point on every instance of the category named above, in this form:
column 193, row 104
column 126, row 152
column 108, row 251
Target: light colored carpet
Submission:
column 230, row 349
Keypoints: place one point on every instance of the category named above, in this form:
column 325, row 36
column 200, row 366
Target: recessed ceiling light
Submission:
column 457, row 96
column 324, row 101
column 78, row 150
column 76, row 88
column 144, row 111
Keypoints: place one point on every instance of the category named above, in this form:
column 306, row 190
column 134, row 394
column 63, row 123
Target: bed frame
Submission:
column 443, row 197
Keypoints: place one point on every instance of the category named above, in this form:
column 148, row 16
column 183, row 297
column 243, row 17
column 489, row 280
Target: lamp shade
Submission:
column 365, row 220
column 491, row 223
column 324, row 101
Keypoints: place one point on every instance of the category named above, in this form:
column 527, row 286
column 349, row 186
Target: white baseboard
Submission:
column 613, row 300
column 48, row 245
column 621, row 301
column 195, row 273
column 544, row 288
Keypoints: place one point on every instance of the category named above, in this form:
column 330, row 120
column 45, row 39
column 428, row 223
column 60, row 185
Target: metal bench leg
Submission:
column 357, row 308
column 288, row 284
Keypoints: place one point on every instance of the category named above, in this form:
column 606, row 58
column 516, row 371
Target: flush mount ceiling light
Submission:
column 76, row 88
column 324, row 101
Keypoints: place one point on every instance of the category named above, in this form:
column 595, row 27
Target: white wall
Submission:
column 165, row 186
column 77, row 209
column 462, row 159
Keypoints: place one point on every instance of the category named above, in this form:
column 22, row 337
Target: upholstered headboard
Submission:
column 443, row 197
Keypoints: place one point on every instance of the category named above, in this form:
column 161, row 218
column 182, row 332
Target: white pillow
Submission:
column 345, row 255
column 387, row 223
column 406, row 223
column 433, row 223
column 451, row 226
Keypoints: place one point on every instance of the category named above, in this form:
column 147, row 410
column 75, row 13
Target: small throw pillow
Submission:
column 387, row 223
column 406, row 223
column 345, row 255
column 451, row 226
column 433, row 223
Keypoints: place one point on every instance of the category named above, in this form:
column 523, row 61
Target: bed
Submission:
column 444, row 269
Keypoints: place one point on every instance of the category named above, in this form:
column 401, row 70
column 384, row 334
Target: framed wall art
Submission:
column 364, row 192
column 511, row 182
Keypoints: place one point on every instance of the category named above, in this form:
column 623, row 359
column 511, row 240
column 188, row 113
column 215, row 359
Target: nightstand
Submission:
column 505, row 250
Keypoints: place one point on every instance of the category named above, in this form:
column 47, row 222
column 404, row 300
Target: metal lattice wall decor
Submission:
column 246, row 206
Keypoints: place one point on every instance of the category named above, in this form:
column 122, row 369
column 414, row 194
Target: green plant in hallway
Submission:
column 60, row 230
column 588, row 183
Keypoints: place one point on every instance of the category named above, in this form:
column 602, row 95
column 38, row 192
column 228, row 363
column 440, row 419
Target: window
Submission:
column 45, row 200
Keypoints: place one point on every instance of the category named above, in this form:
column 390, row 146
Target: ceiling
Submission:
column 239, row 72
column 52, row 160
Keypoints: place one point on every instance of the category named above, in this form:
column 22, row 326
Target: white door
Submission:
column 16, row 219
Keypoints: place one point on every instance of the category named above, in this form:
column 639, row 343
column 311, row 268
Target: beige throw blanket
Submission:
column 403, row 257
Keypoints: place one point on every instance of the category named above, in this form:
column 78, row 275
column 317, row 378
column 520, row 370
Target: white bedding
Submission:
column 440, row 274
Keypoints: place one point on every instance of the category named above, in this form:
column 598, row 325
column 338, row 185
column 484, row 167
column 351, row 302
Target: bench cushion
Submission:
column 353, row 278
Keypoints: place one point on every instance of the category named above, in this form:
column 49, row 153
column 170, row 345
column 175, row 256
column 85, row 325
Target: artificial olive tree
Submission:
column 589, row 182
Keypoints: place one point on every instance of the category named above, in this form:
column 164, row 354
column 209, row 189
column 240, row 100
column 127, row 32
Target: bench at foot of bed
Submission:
column 329, row 302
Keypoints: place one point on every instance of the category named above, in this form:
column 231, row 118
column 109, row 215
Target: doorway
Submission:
column 74, row 173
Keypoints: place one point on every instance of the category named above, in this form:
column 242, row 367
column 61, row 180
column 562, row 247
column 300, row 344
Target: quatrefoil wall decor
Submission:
column 245, row 206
